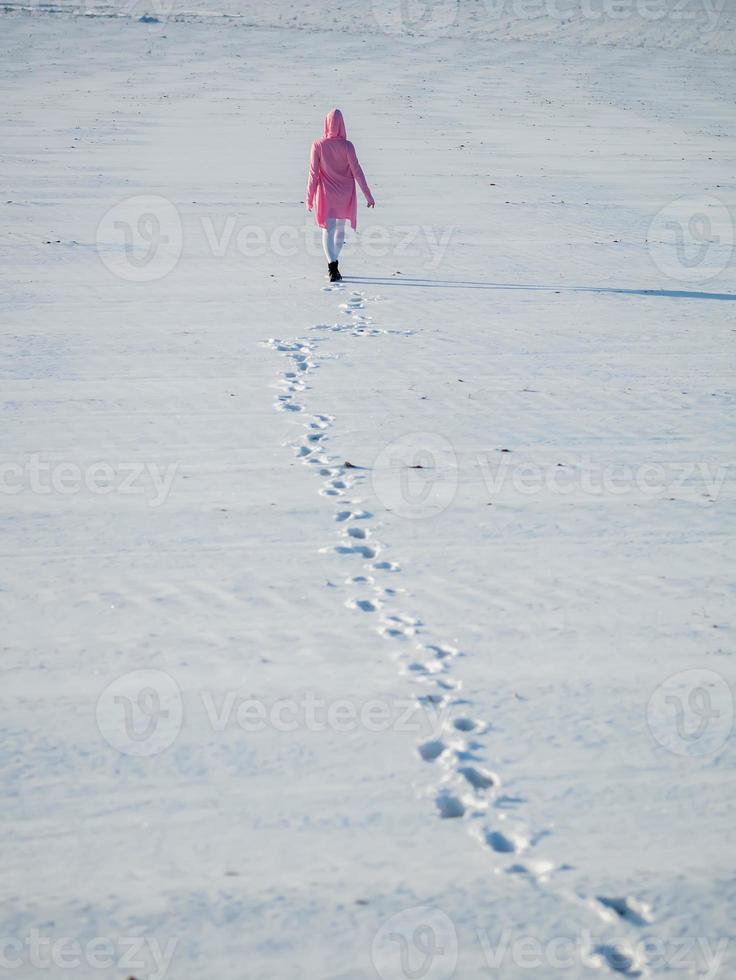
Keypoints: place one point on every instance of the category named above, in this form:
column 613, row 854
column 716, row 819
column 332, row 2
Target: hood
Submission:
column 334, row 125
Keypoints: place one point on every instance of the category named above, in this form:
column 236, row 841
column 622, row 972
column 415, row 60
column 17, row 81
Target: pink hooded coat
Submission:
column 333, row 171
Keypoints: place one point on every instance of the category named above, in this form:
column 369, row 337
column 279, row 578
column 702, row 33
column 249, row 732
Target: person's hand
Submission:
column 371, row 203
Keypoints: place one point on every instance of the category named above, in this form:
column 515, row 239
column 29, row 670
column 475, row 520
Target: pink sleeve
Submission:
column 313, row 178
column 357, row 172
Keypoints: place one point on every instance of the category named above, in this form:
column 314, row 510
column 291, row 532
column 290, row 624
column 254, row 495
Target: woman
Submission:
column 333, row 170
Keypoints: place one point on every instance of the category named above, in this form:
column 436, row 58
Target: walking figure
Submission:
column 333, row 172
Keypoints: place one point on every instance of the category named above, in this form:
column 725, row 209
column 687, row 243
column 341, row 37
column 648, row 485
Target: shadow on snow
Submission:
column 449, row 284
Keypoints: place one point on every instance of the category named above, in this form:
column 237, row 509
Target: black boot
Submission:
column 334, row 272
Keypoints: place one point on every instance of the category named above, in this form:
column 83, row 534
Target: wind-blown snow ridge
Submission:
column 696, row 25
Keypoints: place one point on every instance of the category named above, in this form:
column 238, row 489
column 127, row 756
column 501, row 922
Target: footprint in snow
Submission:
column 399, row 627
column 421, row 668
column 387, row 566
column 448, row 684
column 364, row 550
column 465, row 724
column 620, row 959
column 630, row 909
column 480, row 779
column 441, row 652
column 352, row 515
column 539, row 869
column 360, row 533
column 433, row 700
column 450, row 806
column 431, row 750
column 387, row 590
column 283, row 346
column 363, row 605
column 335, row 488
column 501, row 843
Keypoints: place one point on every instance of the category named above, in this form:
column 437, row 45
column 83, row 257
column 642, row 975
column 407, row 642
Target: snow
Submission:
column 695, row 25
column 268, row 715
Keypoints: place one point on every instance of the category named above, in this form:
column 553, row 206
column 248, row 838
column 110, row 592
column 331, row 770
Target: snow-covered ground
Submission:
column 696, row 25
column 464, row 707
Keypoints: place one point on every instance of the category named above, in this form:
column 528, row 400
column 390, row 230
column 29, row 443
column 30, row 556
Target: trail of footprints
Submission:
column 465, row 789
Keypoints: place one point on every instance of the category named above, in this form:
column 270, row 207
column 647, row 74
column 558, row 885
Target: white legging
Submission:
column 333, row 238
